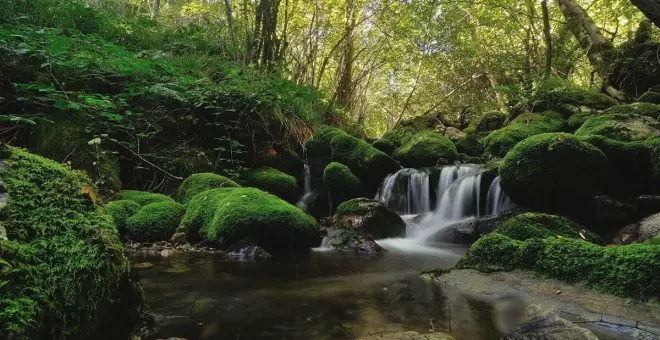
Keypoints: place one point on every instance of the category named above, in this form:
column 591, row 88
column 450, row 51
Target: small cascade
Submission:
column 308, row 195
column 408, row 191
column 496, row 200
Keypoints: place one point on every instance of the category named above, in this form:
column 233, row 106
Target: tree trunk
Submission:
column 650, row 8
column 230, row 23
column 155, row 10
column 599, row 50
column 345, row 85
column 548, row 38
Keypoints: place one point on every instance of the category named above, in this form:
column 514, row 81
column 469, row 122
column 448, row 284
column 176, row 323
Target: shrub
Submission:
column 228, row 215
column 553, row 171
column 198, row 183
column 273, row 181
column 426, row 149
column 499, row 142
column 61, row 243
column 121, row 211
column 154, row 222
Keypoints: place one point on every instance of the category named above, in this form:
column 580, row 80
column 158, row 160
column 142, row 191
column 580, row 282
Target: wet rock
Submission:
column 178, row 238
column 249, row 253
column 550, row 327
column 351, row 240
column 370, row 217
column 165, row 249
column 640, row 231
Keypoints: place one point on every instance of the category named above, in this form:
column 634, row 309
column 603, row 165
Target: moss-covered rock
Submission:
column 198, row 183
column 319, row 146
column 341, row 183
column 653, row 147
column 368, row 163
column 121, row 211
column 384, row 145
column 369, row 216
column 623, row 270
column 575, row 121
column 623, row 127
column 555, row 94
column 274, row 181
column 226, row 216
column 63, row 271
column 400, row 136
column 489, row 121
column 499, row 142
column 472, row 145
column 530, row 225
column 143, row 197
column 650, row 96
column 426, row 149
column 642, row 109
column 553, row 171
column 154, row 222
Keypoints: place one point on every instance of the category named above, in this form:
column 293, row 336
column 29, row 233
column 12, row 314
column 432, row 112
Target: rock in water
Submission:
column 351, row 240
column 370, row 217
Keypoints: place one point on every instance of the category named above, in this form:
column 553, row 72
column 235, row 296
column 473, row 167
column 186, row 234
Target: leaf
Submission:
column 95, row 141
column 110, row 116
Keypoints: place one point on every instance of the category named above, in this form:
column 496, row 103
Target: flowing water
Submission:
column 308, row 195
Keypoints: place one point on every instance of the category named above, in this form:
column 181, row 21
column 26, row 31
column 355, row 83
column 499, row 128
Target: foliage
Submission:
column 274, row 181
column 229, row 215
column 617, row 126
column 197, row 183
column 154, row 222
column 499, row 142
column 143, row 198
column 121, row 211
column 426, row 149
column 370, row 217
column 629, row 270
column 553, row 171
column 61, row 243
column 524, row 226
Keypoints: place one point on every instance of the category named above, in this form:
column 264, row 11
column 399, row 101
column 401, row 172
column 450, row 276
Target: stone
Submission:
column 249, row 253
column 609, row 214
column 3, row 233
column 550, row 327
column 178, row 238
column 351, row 240
column 455, row 134
column 640, row 231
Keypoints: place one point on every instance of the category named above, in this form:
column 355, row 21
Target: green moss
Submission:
column 623, row 127
column 400, row 136
column 426, row 149
column 341, row 182
column 368, row 163
column 228, row 215
column 471, row 145
column 121, row 211
column 319, row 146
column 650, row 96
column 630, row 167
column 384, row 145
column 554, row 93
column 653, row 147
column 553, row 171
column 274, row 181
column 530, row 225
column 369, row 216
column 154, row 222
column 489, row 121
column 642, row 109
column 629, row 270
column 499, row 142
column 61, row 243
column 198, row 183
column 576, row 120
column 143, row 197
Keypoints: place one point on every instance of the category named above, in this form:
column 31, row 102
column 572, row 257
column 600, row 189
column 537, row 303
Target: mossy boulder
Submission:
column 472, row 145
column 274, row 181
column 384, row 145
column 499, row 142
column 553, row 171
column 227, row 216
column 650, row 96
column 426, row 149
column 370, row 217
column 530, row 225
column 341, row 183
column 653, row 147
column 489, row 121
column 623, row 127
column 400, row 135
column 368, row 163
column 319, row 145
column 629, row 270
column 642, row 109
column 121, row 211
column 143, row 198
column 198, row 183
column 63, row 270
column 575, row 121
column 559, row 95
column 154, row 222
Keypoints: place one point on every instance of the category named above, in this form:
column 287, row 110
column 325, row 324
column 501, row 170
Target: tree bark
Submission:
column 548, row 38
column 155, row 10
column 650, row 8
column 230, row 23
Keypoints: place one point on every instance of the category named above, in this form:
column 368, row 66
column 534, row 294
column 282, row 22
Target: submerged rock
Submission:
column 249, row 253
column 640, row 231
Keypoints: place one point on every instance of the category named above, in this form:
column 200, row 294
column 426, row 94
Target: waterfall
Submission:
column 460, row 195
column 308, row 195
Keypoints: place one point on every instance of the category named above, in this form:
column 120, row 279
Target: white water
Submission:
column 308, row 195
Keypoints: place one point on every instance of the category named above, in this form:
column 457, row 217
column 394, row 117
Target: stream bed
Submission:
column 321, row 295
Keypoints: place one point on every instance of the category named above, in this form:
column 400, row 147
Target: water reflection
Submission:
column 320, row 296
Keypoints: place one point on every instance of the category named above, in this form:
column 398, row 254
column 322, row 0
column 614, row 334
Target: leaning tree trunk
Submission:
column 548, row 38
column 650, row 8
